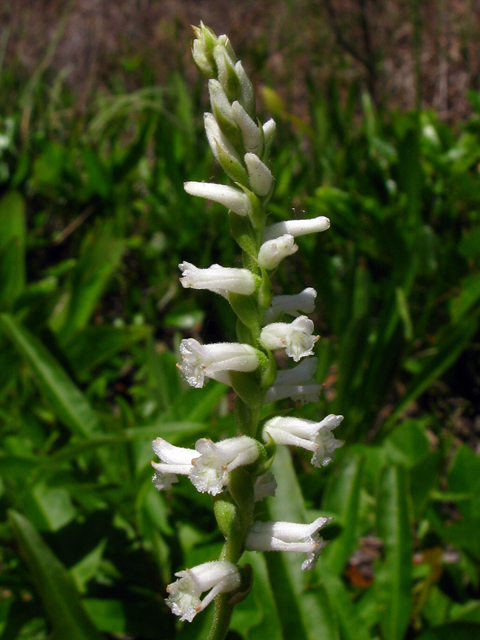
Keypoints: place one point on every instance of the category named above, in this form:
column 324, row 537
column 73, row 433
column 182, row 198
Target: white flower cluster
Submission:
column 239, row 144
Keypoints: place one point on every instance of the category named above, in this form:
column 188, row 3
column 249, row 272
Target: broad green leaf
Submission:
column 49, row 509
column 464, row 477
column 393, row 581
column 54, row 584
column 408, row 442
column 343, row 497
column 70, row 405
column 305, row 611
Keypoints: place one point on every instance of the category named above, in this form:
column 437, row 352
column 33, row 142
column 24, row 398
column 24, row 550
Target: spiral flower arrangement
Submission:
column 236, row 471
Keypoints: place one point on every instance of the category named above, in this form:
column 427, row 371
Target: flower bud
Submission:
column 273, row 252
column 261, row 178
column 202, row 60
column 224, row 151
column 269, row 129
column 227, row 74
column 252, row 138
column 246, row 95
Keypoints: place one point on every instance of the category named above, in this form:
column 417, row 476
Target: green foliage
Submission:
column 93, row 223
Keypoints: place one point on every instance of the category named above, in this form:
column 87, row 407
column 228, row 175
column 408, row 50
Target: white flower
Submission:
column 288, row 536
column 296, row 338
column 273, row 252
column 264, row 486
column 175, row 461
column 303, row 302
column 216, row 577
column 296, row 383
column 210, row 470
column 231, row 198
column 218, row 279
column 296, row 227
column 308, row 434
column 202, row 361
column 261, row 178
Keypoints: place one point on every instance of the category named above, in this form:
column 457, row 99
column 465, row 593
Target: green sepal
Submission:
column 265, row 293
column 232, row 86
column 244, row 234
column 268, row 370
column 225, row 511
column 250, row 263
column 270, row 449
column 246, row 584
column 258, row 215
column 229, row 129
column 246, row 310
column 210, row 40
column 240, row 486
column 232, row 167
column 244, row 418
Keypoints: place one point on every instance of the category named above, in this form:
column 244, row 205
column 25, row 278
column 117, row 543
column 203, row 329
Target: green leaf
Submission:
column 101, row 255
column 393, row 575
column 467, row 298
column 70, row 405
column 343, row 498
column 305, row 613
column 446, row 353
column 54, row 584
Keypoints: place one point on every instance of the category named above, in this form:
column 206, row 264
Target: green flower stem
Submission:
column 221, row 617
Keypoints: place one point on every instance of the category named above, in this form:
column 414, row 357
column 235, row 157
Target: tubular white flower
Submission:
column 296, row 227
column 231, row 198
column 252, row 138
column 288, row 536
column 261, row 178
column 175, row 461
column 201, row 361
column 218, row 279
column 210, row 470
column 296, row 338
column 216, row 139
column 265, row 486
column 308, row 434
column 269, row 129
column 296, row 383
column 303, row 302
column 216, row 577
column 273, row 252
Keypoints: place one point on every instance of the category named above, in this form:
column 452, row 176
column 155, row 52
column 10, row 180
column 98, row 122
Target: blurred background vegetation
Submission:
column 378, row 115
